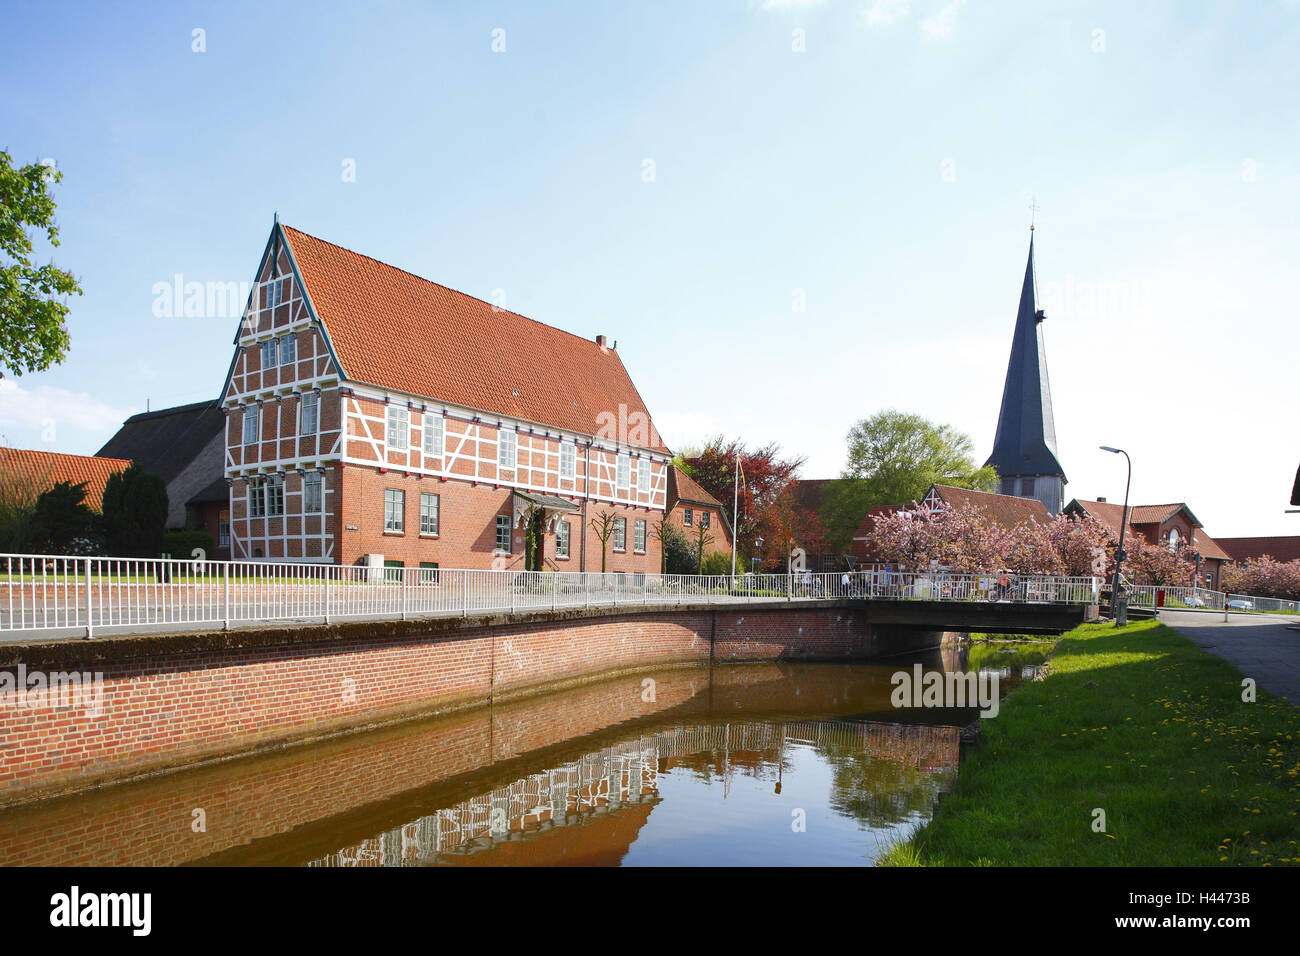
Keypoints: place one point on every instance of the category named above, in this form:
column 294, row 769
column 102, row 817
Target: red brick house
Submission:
column 1166, row 524
column 690, row 508
column 373, row 416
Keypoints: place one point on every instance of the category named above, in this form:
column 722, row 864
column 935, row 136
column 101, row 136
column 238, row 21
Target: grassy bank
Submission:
column 1138, row 722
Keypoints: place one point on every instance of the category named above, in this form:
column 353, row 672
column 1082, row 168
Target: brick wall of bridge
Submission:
column 171, row 701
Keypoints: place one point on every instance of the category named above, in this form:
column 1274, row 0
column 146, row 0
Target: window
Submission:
column 268, row 354
column 275, row 496
column 433, row 435
column 309, row 413
column 568, row 455
column 428, row 572
column 223, row 530
column 1026, row 487
column 503, row 533
column 643, row 477
column 687, row 517
column 399, row 427
column 288, row 350
column 312, row 499
column 250, row 425
column 256, row 499
column 507, row 448
column 394, row 510
column 428, row 514
column 623, row 466
column 1008, row 486
column 620, row 534
column 393, row 572
column 562, row 540
column 272, row 294
column 704, row 519
column 638, row 536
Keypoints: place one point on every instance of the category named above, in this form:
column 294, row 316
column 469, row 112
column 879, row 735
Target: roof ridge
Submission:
column 175, row 409
column 65, row 454
column 415, row 275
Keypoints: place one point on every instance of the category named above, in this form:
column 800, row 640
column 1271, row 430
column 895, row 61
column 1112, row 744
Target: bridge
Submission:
column 49, row 596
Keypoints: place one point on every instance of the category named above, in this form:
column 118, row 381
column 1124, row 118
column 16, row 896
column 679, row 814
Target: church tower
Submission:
column 1024, row 449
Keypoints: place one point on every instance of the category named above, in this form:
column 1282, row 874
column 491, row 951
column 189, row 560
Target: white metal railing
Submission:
column 44, row 594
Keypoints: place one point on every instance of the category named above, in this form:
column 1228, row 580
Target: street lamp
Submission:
column 757, row 559
column 1118, row 608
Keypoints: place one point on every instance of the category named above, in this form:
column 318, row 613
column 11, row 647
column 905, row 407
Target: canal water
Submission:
column 740, row 764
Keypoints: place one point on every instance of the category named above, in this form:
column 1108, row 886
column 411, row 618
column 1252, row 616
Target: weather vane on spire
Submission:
column 1033, row 211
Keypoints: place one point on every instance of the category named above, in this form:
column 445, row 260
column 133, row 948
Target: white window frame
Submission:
column 288, row 350
column 252, row 414
column 309, row 400
column 620, row 534
column 507, row 448
column 313, row 493
column 275, row 496
column 425, row 498
column 394, row 511
column 433, row 425
column 622, row 471
column 562, row 538
column 503, row 522
column 273, row 293
column 269, row 355
column 256, row 498
column 568, row 459
column 397, row 420
column 638, row 536
column 643, row 478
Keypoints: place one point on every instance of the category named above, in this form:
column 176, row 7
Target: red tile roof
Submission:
column 1004, row 509
column 395, row 330
column 45, row 469
column 1208, row 547
column 1278, row 547
column 686, row 488
column 869, row 519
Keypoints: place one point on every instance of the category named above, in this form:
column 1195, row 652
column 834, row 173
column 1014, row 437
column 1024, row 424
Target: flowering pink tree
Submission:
column 1264, row 577
column 967, row 540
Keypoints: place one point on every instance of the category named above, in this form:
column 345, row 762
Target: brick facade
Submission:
column 296, row 421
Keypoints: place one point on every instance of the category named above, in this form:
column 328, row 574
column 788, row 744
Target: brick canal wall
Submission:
column 167, row 701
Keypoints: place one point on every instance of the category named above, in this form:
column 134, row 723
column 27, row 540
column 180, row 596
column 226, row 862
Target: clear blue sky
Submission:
column 886, row 170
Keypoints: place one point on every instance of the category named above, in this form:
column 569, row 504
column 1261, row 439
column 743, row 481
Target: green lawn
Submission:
column 1142, row 724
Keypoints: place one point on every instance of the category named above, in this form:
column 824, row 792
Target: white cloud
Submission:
column 882, row 12
column 940, row 24
column 789, row 4
column 38, row 407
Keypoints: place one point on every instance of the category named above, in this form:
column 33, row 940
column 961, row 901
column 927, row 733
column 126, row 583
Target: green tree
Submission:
column 61, row 515
column 135, row 513
column 33, row 333
column 893, row 459
column 679, row 556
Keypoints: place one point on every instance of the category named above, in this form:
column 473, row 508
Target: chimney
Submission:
column 600, row 340
column 1101, row 500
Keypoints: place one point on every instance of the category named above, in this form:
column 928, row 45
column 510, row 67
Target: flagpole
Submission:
column 735, row 517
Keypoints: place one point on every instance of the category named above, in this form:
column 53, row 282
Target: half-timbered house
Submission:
column 373, row 416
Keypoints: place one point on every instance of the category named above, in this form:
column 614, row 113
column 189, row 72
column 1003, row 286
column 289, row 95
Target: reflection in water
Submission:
column 775, row 763
column 882, row 776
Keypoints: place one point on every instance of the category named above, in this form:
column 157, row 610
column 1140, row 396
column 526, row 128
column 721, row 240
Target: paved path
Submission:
column 1259, row 645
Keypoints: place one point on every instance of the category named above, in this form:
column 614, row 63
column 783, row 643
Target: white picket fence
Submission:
column 46, row 595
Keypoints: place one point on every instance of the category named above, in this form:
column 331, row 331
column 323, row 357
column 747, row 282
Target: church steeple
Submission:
column 1024, row 449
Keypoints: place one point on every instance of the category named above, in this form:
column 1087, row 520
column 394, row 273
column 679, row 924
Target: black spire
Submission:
column 1025, row 445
